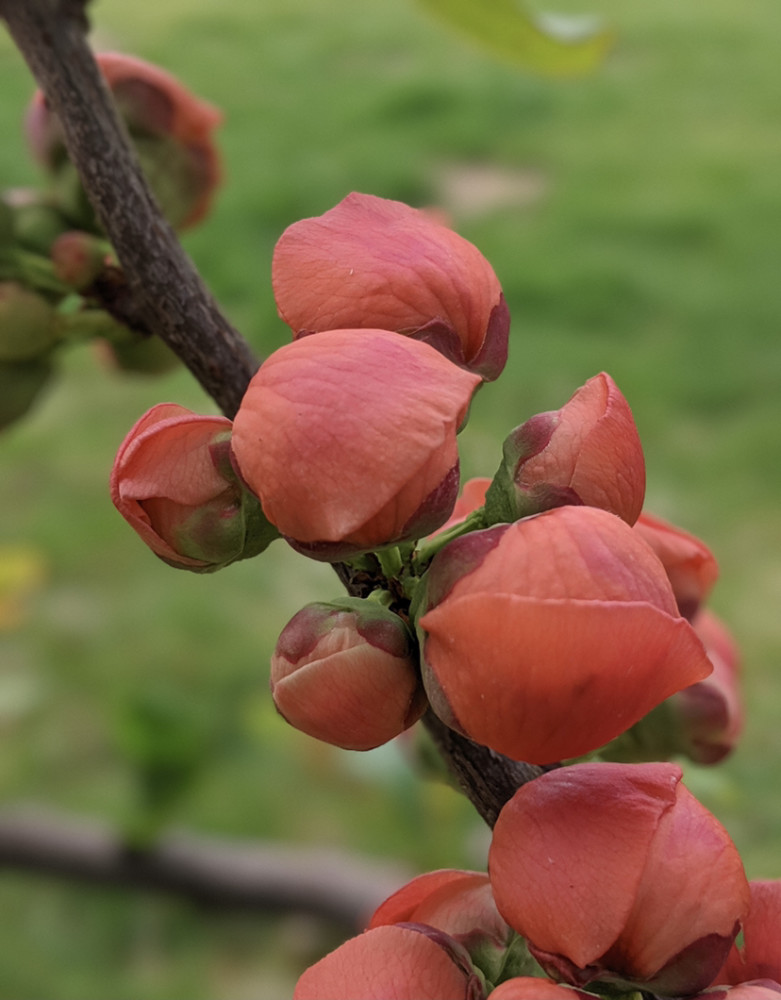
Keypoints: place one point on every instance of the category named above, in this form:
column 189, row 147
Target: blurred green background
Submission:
column 633, row 219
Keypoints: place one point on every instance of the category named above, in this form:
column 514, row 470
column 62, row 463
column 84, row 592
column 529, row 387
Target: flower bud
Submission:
column 703, row 721
column 345, row 673
column 759, row 956
column 173, row 483
column 78, row 258
column 689, row 563
column 374, row 263
column 406, row 962
column 28, row 323
column 564, row 616
column 21, row 383
column 172, row 130
column 461, row 904
column 349, row 440
column 588, row 452
column 615, row 873
column 471, row 497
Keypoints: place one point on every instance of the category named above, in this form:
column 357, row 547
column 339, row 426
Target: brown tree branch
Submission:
column 173, row 300
column 486, row 778
column 229, row 874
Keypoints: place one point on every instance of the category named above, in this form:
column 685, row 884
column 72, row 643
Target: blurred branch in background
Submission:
column 247, row 876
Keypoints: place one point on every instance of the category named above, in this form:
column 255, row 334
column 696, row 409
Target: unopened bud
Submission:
column 344, row 672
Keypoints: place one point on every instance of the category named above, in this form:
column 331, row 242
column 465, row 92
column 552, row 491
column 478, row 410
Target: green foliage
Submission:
column 559, row 46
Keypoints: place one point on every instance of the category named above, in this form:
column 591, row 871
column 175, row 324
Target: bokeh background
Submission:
column 633, row 218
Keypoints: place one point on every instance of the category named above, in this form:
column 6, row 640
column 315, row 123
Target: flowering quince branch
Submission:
column 541, row 617
column 166, row 294
column 159, row 290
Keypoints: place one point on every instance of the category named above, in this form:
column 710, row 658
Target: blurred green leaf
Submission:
column 552, row 44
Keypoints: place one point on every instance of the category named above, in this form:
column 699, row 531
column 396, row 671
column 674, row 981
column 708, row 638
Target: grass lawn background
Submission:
column 633, row 219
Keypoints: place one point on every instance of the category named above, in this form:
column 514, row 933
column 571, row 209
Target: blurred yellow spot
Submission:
column 22, row 572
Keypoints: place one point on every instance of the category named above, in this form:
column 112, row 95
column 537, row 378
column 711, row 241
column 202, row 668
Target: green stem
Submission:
column 391, row 562
column 33, row 270
column 428, row 549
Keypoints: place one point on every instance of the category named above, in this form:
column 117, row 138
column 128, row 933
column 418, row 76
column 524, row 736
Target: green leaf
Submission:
column 550, row 44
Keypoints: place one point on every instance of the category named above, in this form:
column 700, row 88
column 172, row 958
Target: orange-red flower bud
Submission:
column 349, row 440
column 546, row 638
column 690, row 564
column 759, row 957
column 173, row 483
column 406, row 962
column 461, row 904
column 615, row 872
column 374, row 263
column 709, row 714
column 588, row 452
column 344, row 673
column 172, row 130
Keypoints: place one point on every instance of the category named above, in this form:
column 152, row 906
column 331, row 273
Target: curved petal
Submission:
column 760, row 955
column 334, row 428
column 573, row 552
column 689, row 563
column 386, row 962
column 686, row 895
column 402, row 905
column 569, row 851
column 371, row 262
column 543, row 681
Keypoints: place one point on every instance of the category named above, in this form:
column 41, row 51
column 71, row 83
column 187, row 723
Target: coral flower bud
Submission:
column 546, row 638
column 588, row 452
column 370, row 262
column 173, row 483
column 703, row 721
column 171, row 128
column 404, row 962
column 690, row 564
column 349, row 440
column 461, row 904
column 710, row 714
column 344, row 672
column 759, row 957
column 615, row 873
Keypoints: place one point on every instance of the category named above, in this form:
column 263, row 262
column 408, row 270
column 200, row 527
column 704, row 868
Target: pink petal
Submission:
column 569, row 851
column 386, row 963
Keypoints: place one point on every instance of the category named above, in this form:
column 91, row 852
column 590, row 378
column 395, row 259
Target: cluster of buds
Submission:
column 543, row 614
column 603, row 880
column 56, row 268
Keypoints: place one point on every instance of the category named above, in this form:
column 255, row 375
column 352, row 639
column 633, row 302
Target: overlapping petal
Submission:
column 349, row 439
column 372, row 262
